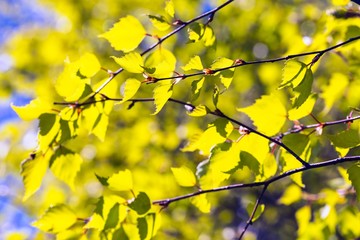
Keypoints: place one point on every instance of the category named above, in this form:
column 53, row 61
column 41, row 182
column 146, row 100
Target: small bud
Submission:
column 239, row 62
column 319, row 130
column 177, row 22
column 243, row 130
column 208, row 71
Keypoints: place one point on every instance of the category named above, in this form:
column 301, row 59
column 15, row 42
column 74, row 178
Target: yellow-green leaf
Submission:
column 49, row 125
column 69, row 84
column 184, row 176
column 216, row 132
column 95, row 221
column 193, row 64
column 196, row 87
column 209, row 37
column 131, row 62
column 226, row 76
column 334, row 91
column 56, row 219
column 95, row 120
column 223, row 159
column 126, row 34
column 65, row 164
column 129, row 88
column 163, row 61
column 259, row 210
column 32, row 110
column 159, row 22
column 162, row 93
column 268, row 114
column 121, row 181
column 291, row 195
column 303, row 90
column 169, row 8
column 269, row 166
column 303, row 218
column 304, row 110
column 198, row 111
column 293, row 73
column 201, row 202
column 89, row 65
column 291, row 163
column 33, row 171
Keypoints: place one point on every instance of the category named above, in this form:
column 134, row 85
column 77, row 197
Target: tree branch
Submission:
column 242, row 63
column 166, row 202
column 162, row 39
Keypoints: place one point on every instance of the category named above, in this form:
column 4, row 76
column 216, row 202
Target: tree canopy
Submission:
column 188, row 120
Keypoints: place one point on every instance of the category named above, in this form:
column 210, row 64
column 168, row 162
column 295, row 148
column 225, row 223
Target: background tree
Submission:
column 149, row 129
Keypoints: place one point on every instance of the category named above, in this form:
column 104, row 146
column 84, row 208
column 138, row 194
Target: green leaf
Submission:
column 193, row 64
column 163, row 61
column 102, row 180
column 268, row 114
column 112, row 218
column 345, row 139
column 88, row 65
column 141, row 204
column 293, row 73
column 296, row 142
column 32, row 110
column 196, row 88
column 260, row 209
column 159, row 22
column 121, row 181
column 202, row 203
column 216, row 132
column 226, row 76
column 169, row 8
column 126, row 34
column 303, row 90
column 56, row 219
column 33, row 170
column 120, row 234
column 162, row 93
column 354, row 176
column 142, row 225
column 131, row 62
column 184, row 176
column 65, row 165
column 198, row 111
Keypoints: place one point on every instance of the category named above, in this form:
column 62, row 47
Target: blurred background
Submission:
column 37, row 36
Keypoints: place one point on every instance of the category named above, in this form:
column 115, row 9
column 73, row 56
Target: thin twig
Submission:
column 242, row 63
